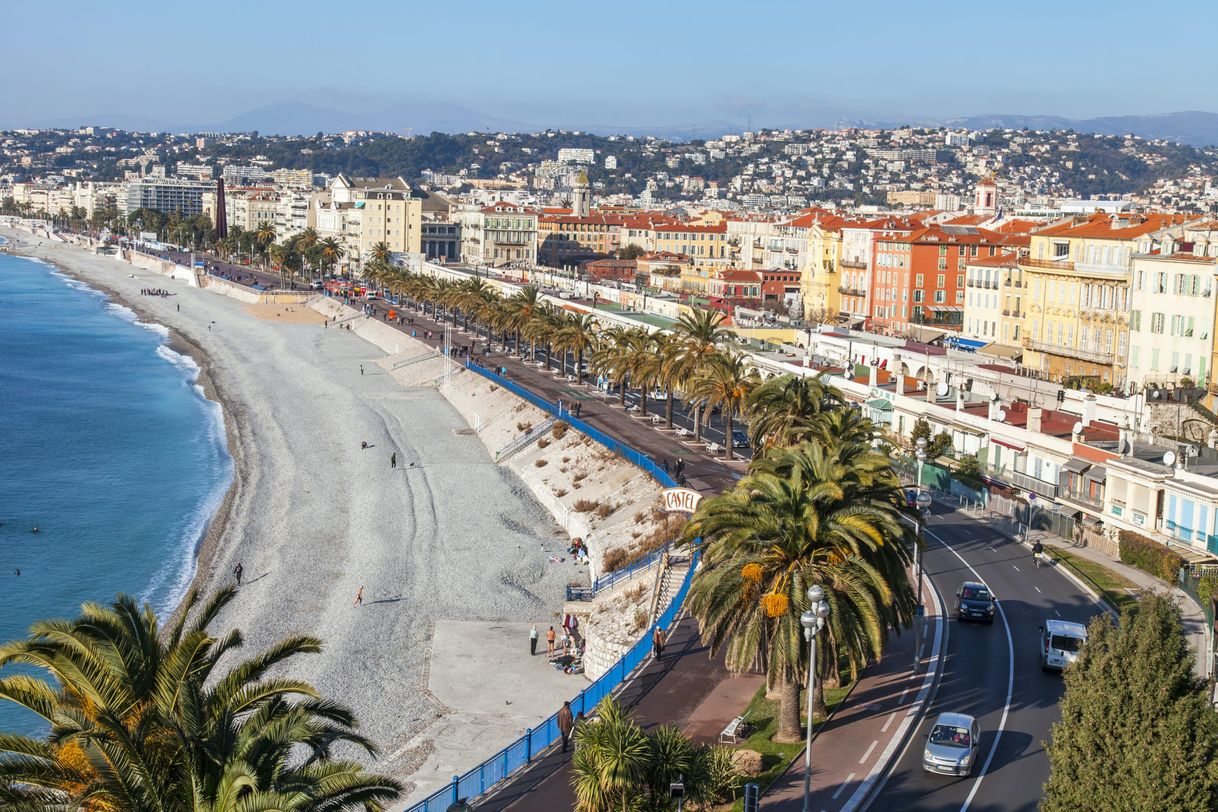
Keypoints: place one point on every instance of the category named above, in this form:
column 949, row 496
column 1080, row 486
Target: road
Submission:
column 991, row 672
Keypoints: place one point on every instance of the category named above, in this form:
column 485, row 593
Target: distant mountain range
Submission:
column 421, row 117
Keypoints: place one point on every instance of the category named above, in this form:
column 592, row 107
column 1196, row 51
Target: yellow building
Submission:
column 1077, row 295
column 819, row 283
column 365, row 211
column 706, row 246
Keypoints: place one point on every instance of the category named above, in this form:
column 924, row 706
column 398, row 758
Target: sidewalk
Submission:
column 864, row 737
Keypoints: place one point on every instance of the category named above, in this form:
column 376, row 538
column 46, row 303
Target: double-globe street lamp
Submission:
column 920, row 453
column 813, row 620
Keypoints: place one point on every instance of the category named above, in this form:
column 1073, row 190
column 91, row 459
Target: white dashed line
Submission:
column 888, row 724
column 843, row 786
column 1015, row 568
column 1037, row 589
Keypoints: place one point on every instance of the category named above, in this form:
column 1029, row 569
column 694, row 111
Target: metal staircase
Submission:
column 528, row 439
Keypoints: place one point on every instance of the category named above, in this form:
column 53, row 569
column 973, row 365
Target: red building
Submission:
column 617, row 270
column 918, row 278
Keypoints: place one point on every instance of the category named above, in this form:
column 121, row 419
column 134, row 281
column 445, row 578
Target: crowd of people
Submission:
column 154, row 292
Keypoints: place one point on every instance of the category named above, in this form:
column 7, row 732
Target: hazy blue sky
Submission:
column 637, row 63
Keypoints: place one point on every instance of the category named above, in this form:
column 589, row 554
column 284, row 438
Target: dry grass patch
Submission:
column 541, row 463
column 543, row 442
column 585, row 505
column 559, row 429
column 605, row 510
column 560, row 492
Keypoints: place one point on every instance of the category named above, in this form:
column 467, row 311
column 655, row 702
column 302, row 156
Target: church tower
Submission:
column 581, row 196
column 985, row 196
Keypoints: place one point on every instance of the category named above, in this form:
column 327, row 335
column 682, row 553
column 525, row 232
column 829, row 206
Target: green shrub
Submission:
column 1207, row 588
column 1149, row 556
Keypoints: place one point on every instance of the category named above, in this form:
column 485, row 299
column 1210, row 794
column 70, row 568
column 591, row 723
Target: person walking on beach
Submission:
column 237, row 570
column 359, row 597
column 393, row 460
column 533, row 641
column 657, row 642
column 361, row 369
column 566, row 723
column 550, row 637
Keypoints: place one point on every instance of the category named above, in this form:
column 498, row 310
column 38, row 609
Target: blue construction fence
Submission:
column 520, row 753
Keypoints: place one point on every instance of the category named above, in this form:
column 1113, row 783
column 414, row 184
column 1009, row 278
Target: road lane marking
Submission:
column 867, row 755
column 1013, row 566
column 1059, row 614
column 1037, row 589
column 843, row 786
column 1006, row 706
column 891, row 717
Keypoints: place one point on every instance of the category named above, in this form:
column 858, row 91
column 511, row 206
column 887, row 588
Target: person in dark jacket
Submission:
column 566, row 723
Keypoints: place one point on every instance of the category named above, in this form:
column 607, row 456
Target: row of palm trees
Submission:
column 141, row 719
column 302, row 255
column 692, row 361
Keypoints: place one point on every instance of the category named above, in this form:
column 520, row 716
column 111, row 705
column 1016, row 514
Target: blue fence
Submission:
column 587, row 593
column 519, row 753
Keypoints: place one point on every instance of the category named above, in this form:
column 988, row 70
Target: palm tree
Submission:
column 381, row 252
column 264, row 236
column 306, row 243
column 578, row 335
column 612, row 358
column 725, row 381
column 815, row 514
column 523, row 305
column 783, row 410
column 142, row 720
column 331, row 251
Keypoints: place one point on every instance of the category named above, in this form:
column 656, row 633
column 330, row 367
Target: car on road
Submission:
column 951, row 745
column 739, row 439
column 974, row 601
column 1060, row 643
column 315, row 285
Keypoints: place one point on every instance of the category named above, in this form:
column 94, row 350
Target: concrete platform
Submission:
column 482, row 670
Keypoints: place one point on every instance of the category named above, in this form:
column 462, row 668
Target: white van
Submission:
column 1060, row 643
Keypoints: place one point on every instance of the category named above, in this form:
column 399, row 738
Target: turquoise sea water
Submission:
column 106, row 445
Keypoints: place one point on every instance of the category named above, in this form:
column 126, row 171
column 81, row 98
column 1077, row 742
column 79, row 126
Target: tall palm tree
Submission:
column 306, row 243
column 264, row 235
column 814, row 514
column 381, row 252
column 609, row 359
column 144, row 721
column 725, row 380
column 578, row 336
column 640, row 363
column 783, row 410
column 330, row 250
column 523, row 305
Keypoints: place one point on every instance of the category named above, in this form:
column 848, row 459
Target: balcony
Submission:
column 857, row 265
column 1069, row 352
column 1081, row 499
column 1102, row 269
column 1030, row 483
column 852, row 292
column 1048, row 264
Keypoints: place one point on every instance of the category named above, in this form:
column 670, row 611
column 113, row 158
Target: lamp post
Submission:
column 460, row 805
column 813, row 620
column 921, row 455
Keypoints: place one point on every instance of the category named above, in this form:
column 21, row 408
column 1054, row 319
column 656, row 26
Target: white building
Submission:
column 1171, row 320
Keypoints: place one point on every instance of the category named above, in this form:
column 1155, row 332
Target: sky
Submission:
column 657, row 63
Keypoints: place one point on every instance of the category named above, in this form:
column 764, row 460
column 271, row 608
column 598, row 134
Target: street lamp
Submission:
column 813, row 620
column 920, row 453
column 460, row 805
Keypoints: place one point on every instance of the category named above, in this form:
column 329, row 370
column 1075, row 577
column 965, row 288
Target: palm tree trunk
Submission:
column 727, row 431
column 697, row 422
column 668, row 409
column 788, row 713
column 579, row 366
column 622, row 393
column 643, row 401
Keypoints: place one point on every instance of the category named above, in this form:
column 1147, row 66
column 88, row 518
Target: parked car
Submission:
column 1060, row 643
column 739, row 439
column 974, row 601
column 951, row 745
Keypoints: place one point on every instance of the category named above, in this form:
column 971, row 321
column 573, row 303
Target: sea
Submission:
column 107, row 446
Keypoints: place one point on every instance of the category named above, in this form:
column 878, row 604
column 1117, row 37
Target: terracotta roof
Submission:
column 968, row 220
column 740, row 276
column 1117, row 227
column 1000, row 261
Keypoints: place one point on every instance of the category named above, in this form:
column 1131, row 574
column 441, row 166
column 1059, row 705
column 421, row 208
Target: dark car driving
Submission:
column 739, row 439
column 974, row 601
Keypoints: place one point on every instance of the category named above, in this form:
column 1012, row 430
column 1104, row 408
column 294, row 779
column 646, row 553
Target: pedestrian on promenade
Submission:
column 361, row 369
column 566, row 723
column 579, row 407
column 359, row 597
column 657, row 642
column 680, row 469
column 237, row 570
column 550, row 637
column 665, row 465
column 533, row 641
column 393, row 460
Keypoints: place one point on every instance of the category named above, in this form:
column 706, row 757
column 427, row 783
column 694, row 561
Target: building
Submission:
column 615, row 270
column 728, row 289
column 576, row 155
column 581, row 195
column 202, row 172
column 245, row 175
column 820, row 288
column 365, row 212
column 706, row 245
column 780, row 289
column 501, row 234
column 565, row 239
column 1171, row 318
column 164, row 195
column 1077, row 291
column 993, row 299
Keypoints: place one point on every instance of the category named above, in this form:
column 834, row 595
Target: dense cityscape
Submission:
column 862, row 459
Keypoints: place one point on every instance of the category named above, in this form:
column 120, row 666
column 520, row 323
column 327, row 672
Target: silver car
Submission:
column 951, row 745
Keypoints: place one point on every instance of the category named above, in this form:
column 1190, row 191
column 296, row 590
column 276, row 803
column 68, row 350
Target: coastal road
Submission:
column 991, row 672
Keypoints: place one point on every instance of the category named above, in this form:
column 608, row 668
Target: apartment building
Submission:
column 1171, row 319
column 363, row 212
column 164, row 195
column 500, row 234
column 566, row 239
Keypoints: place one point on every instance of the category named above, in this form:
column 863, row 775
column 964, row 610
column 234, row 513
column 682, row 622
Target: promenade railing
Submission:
column 517, row 755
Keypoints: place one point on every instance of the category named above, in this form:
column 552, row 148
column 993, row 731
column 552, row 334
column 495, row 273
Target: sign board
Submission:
column 681, row 500
column 752, row 798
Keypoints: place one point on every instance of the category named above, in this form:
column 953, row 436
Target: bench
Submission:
column 681, row 431
column 656, row 420
column 734, row 732
column 713, row 448
column 570, row 379
column 633, row 407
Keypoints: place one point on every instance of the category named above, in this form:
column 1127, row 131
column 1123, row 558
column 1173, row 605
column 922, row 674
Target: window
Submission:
column 943, row 264
column 960, row 280
column 1160, row 282
column 942, row 250
column 1061, row 250
column 940, row 296
column 1156, row 323
column 941, row 281
column 918, row 280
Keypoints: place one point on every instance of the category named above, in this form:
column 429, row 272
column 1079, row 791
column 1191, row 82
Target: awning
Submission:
column 1097, row 474
column 1076, row 465
column 925, row 334
column 1000, row 351
column 945, row 308
column 881, row 404
column 1007, row 444
column 967, row 343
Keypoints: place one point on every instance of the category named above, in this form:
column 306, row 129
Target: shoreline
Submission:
column 204, row 548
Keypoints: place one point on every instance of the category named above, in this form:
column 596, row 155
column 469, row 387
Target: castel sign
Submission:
column 681, row 500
